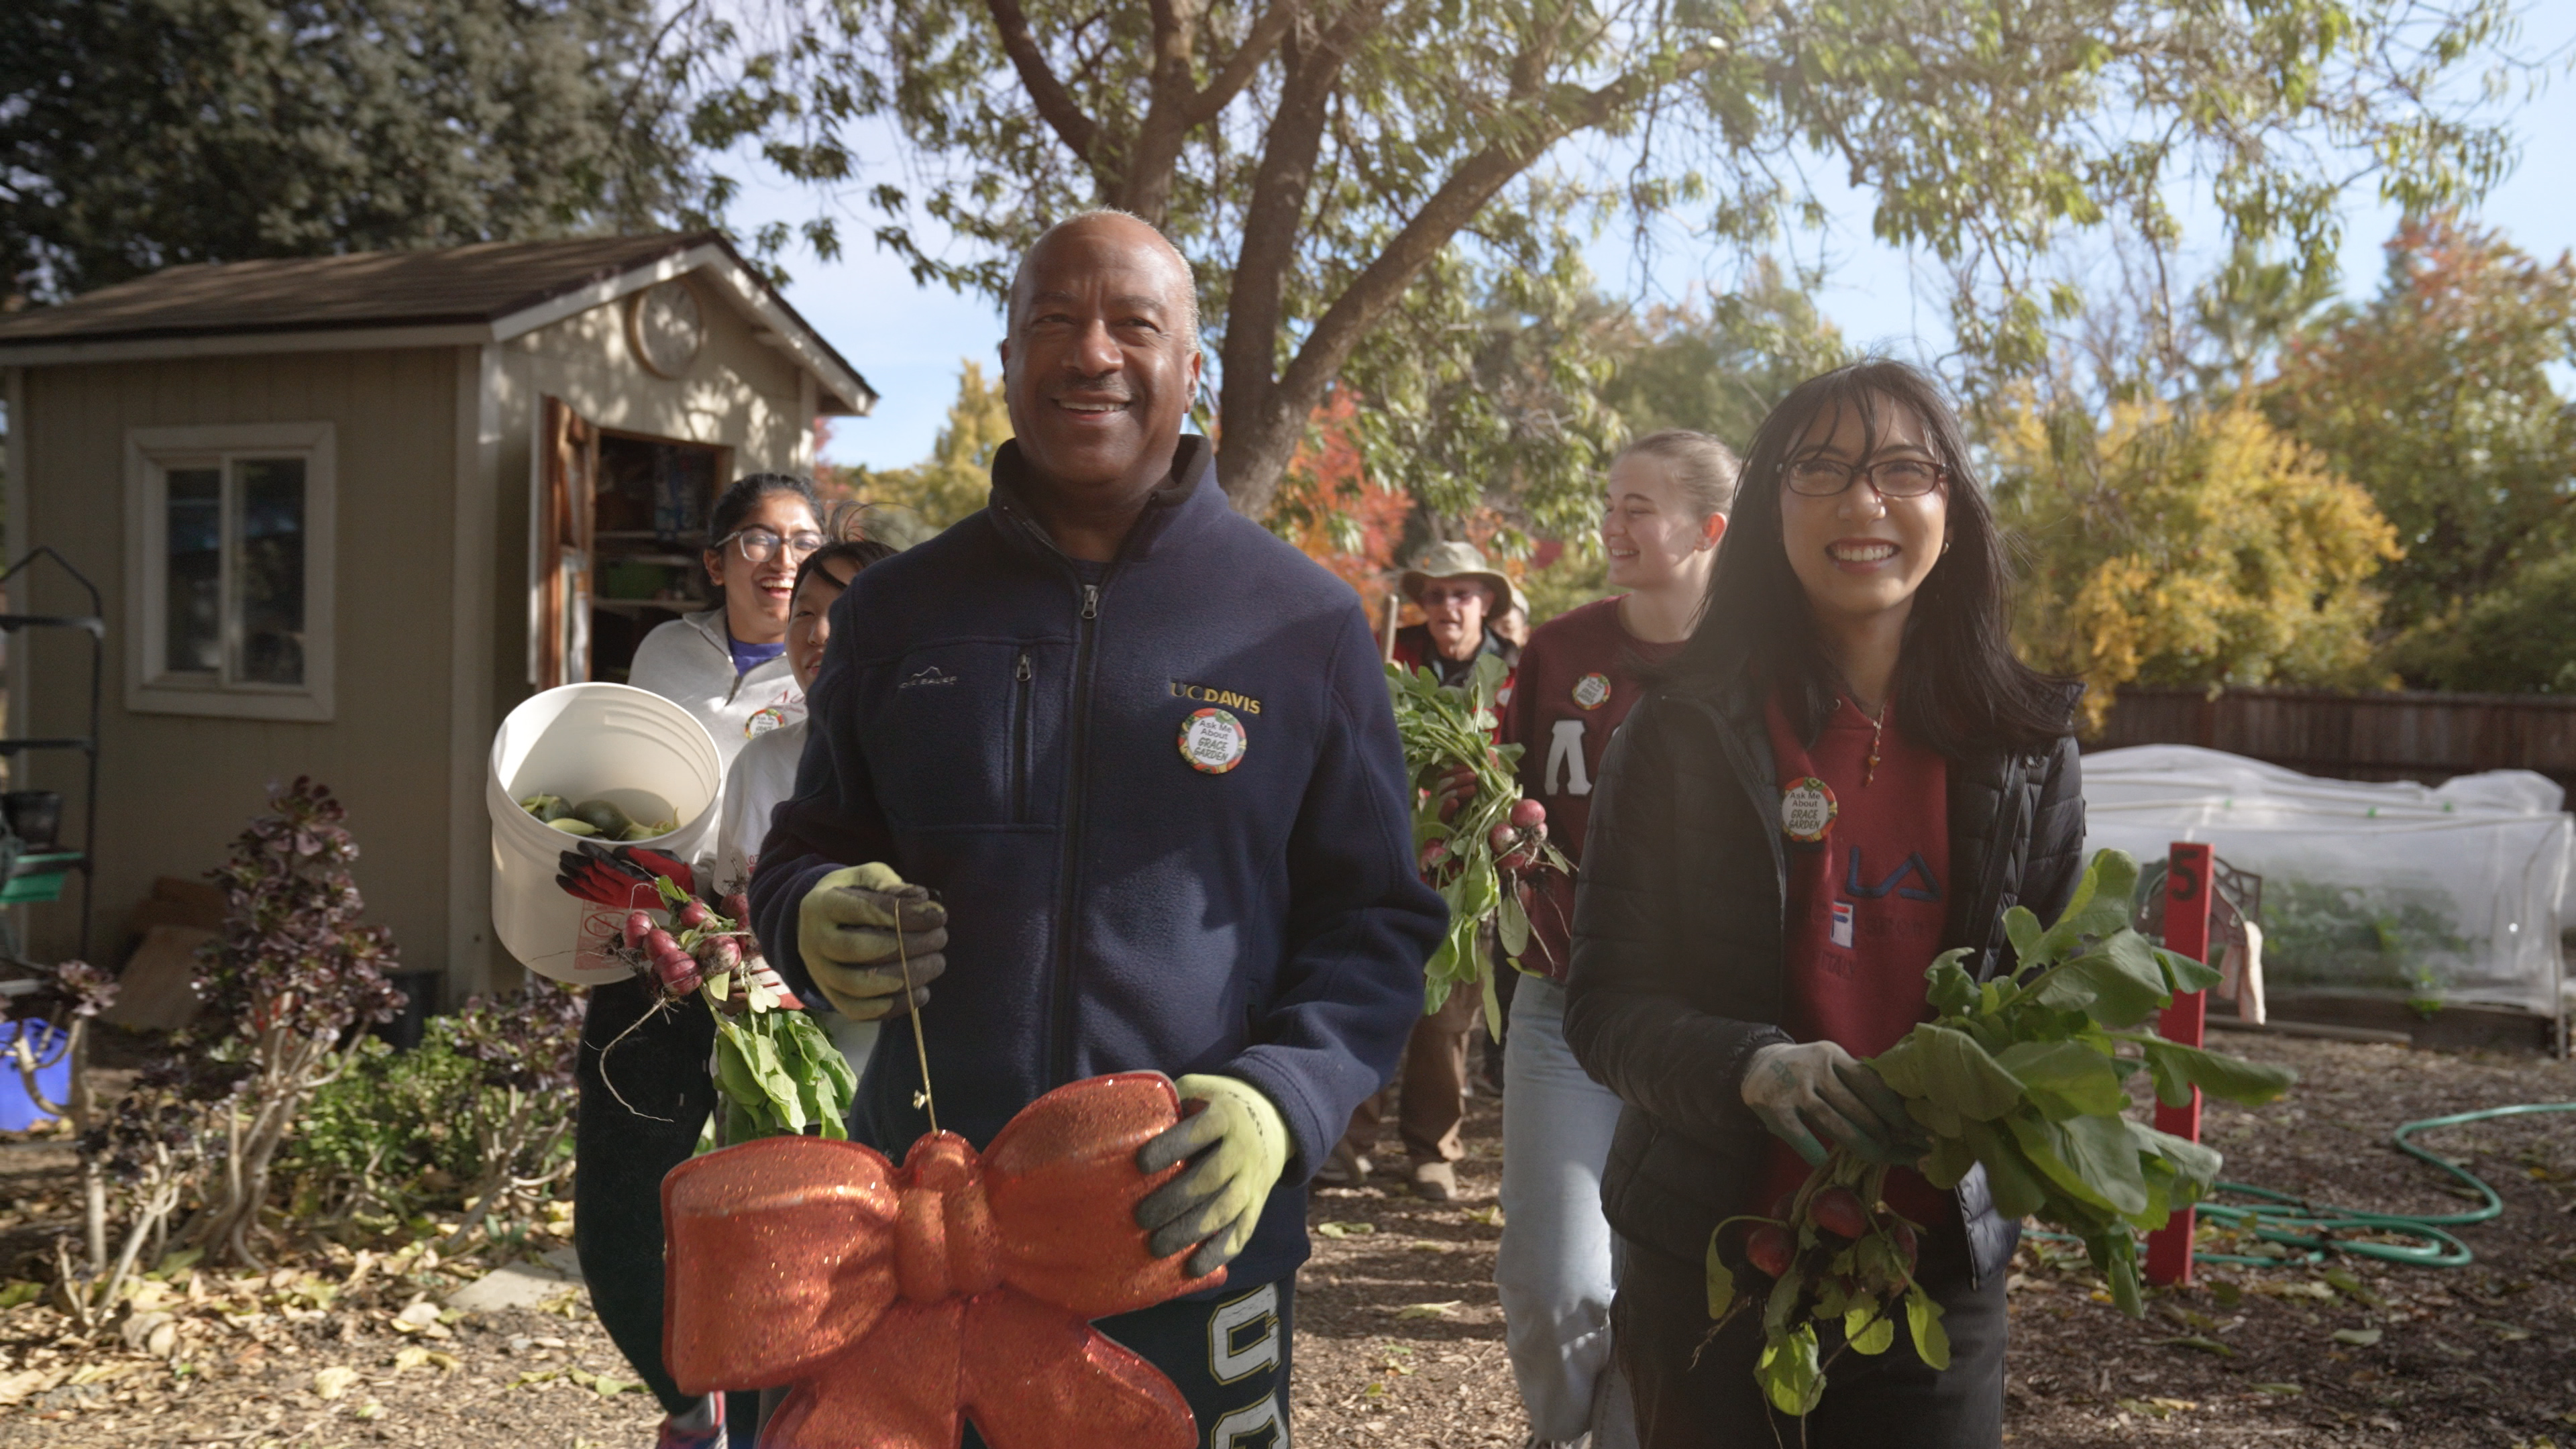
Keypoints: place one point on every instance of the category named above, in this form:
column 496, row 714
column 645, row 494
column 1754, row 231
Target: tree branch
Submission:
column 1239, row 69
column 1262, row 417
column 1178, row 107
column 1055, row 104
column 1276, row 207
column 1476, row 182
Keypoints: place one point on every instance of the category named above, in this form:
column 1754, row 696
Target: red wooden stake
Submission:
column 2187, row 891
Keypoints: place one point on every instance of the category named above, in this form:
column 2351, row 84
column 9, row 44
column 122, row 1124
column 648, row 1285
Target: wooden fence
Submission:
column 2395, row 736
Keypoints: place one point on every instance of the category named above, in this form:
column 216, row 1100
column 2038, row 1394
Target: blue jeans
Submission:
column 1554, row 1271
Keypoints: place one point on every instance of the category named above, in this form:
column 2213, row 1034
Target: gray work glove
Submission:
column 1237, row 1146
column 861, row 931
column 1809, row 1093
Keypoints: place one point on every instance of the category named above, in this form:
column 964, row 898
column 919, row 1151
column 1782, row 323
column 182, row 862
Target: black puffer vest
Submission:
column 1678, row 965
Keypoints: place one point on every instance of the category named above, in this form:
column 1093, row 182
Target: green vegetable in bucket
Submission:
column 604, row 817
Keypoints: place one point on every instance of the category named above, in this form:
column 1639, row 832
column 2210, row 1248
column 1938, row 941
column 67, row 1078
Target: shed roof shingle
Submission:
column 485, row 282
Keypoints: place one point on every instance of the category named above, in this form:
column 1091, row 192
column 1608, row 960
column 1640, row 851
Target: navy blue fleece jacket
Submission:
column 1004, row 725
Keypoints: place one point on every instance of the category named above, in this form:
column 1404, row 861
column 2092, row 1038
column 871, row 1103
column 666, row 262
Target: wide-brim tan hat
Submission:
column 1455, row 561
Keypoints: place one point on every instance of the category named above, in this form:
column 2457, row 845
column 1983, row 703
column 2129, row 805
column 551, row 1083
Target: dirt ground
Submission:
column 1400, row 1339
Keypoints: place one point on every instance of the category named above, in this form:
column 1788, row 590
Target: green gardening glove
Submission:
column 863, row 932
column 1236, row 1145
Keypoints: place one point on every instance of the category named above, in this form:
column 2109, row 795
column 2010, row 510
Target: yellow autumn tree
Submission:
column 954, row 480
column 2186, row 547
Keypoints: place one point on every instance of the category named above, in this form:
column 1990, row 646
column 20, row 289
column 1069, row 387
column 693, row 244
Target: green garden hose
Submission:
column 2295, row 1222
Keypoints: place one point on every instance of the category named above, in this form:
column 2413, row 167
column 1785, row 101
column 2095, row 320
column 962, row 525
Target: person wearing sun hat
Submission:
column 1460, row 598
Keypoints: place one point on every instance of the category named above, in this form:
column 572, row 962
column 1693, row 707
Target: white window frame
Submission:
column 150, row 454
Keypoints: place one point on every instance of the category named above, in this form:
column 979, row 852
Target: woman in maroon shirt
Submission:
column 1844, row 773
column 1663, row 512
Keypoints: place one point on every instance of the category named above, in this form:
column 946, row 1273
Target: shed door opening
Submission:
column 623, row 520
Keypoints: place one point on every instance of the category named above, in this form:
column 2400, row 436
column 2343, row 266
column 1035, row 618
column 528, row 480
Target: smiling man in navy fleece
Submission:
column 1141, row 750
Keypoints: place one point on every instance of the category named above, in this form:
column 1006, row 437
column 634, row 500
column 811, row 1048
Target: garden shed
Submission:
column 345, row 512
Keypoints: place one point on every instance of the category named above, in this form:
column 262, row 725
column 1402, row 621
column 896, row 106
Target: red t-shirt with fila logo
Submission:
column 1577, row 682
column 1869, row 880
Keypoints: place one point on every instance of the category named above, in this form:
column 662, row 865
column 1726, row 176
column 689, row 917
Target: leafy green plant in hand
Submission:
column 777, row 1071
column 1465, row 837
column 2023, row 1075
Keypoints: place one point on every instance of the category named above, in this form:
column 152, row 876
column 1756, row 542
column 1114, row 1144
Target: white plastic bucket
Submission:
column 588, row 742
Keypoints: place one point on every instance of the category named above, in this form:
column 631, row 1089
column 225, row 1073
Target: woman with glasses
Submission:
column 728, row 665
column 1844, row 773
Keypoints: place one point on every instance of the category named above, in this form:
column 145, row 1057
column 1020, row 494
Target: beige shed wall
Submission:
column 739, row 393
column 175, row 789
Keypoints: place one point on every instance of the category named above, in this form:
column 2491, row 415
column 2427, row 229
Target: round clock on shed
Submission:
column 667, row 327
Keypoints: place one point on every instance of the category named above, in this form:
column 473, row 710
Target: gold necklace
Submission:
column 1878, row 726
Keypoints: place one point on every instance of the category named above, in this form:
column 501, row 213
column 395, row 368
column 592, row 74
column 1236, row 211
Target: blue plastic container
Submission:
column 17, row 1113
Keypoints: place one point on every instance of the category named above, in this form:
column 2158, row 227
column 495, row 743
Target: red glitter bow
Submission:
column 893, row 1303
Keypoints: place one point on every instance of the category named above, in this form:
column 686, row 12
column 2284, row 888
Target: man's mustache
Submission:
column 1107, row 387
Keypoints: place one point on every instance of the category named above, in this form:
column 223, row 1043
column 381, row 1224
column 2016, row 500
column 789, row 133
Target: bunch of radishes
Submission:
column 1516, row 842
column 701, row 946
column 774, row 1067
column 1836, row 1254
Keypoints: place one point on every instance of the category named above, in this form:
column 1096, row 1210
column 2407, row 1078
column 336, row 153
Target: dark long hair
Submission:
column 1958, row 684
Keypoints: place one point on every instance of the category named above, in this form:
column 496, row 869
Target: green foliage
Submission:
column 779, row 1074
column 137, row 134
column 2513, row 639
column 1721, row 368
column 1579, row 575
column 1481, row 399
column 384, row 1137
column 482, row 1109
column 957, row 476
column 1464, row 790
column 2020, row 1074
column 2435, row 396
column 2346, row 938
column 1318, row 159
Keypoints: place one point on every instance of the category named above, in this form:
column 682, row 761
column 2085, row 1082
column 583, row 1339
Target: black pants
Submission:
column 643, row 1104
column 1891, row 1400
column 1228, row 1355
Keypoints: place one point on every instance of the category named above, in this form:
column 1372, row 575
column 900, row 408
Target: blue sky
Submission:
column 909, row 340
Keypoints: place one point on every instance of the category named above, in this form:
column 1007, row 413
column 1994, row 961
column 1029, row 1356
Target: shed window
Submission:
column 233, row 580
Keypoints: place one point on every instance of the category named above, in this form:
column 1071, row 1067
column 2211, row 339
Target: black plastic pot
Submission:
column 35, row 816
column 405, row 1030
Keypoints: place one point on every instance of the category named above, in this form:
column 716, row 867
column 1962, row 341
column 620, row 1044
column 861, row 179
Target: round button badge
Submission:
column 1212, row 740
column 1592, row 690
column 1807, row 810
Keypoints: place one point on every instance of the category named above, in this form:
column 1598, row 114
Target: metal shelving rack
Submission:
column 38, row 877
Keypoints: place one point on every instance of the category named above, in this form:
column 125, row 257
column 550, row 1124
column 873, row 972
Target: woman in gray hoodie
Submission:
column 727, row 665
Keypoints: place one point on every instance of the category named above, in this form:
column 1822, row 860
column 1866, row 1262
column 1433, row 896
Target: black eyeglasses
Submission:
column 759, row 545
column 1895, row 478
